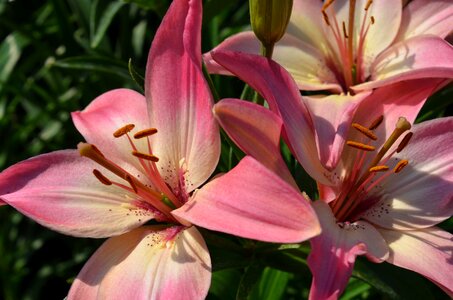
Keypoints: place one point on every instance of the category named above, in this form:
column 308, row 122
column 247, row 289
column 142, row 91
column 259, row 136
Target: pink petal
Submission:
column 426, row 17
column 304, row 62
column 402, row 99
column 428, row 176
column 426, row 251
column 106, row 114
column 306, row 23
column 151, row 262
column 333, row 253
column 387, row 19
column 411, row 59
column 58, row 190
column 256, row 130
column 282, row 94
column 179, row 99
column 332, row 116
column 237, row 203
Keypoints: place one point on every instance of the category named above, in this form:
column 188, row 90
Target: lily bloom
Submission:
column 144, row 160
column 349, row 48
column 392, row 185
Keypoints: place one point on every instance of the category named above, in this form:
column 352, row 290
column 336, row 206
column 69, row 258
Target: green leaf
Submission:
column 396, row 283
column 137, row 77
column 10, row 52
column 95, row 64
column 104, row 22
column 272, row 285
column 249, row 279
column 224, row 284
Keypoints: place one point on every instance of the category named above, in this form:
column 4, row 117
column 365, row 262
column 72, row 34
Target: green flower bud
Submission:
column 269, row 19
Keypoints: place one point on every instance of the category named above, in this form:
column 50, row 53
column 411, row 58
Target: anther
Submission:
column 123, row 130
column 380, row 168
column 368, row 4
column 400, row 165
column 375, row 124
column 372, row 20
column 131, row 182
column 404, row 142
column 360, row 146
column 145, row 156
column 145, row 133
column 326, row 17
column 344, row 30
column 101, row 178
column 365, row 131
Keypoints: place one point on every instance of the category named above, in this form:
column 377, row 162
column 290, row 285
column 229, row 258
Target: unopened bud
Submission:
column 269, row 19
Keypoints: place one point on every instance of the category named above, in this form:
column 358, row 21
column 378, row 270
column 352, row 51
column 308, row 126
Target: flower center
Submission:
column 347, row 54
column 367, row 173
column 155, row 195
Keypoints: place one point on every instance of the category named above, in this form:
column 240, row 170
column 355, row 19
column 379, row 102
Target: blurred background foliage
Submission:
column 56, row 56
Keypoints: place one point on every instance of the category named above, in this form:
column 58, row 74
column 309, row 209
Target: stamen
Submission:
column 375, row 124
column 323, row 11
column 368, row 4
column 145, row 133
column 360, row 146
column 401, row 126
column 404, row 142
column 344, row 31
column 365, row 131
column 101, row 178
column 400, row 166
column 123, row 130
column 131, row 182
column 372, row 20
column 326, row 17
column 378, row 168
column 145, row 156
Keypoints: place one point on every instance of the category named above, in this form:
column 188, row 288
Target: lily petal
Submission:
column 402, row 99
column 148, row 263
column 379, row 33
column 426, row 17
column 306, row 23
column 422, row 195
column 106, row 114
column 59, row 191
column 279, row 89
column 332, row 116
column 305, row 62
column 179, row 99
column 333, row 253
column 426, row 251
column 411, row 59
column 256, row 130
column 239, row 204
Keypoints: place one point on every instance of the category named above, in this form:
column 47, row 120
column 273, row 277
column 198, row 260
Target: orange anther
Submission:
column 378, row 168
column 375, row 124
column 123, row 130
column 365, row 131
column 145, row 156
column 101, row 178
column 360, row 146
column 145, row 132
column 404, row 142
column 400, row 165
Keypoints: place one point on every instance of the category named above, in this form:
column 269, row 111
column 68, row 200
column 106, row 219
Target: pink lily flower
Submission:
column 374, row 202
column 350, row 48
column 164, row 146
